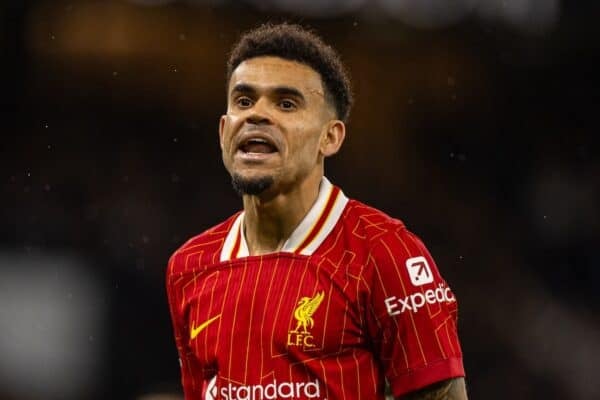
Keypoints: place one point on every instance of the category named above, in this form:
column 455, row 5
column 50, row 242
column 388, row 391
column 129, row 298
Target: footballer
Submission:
column 305, row 293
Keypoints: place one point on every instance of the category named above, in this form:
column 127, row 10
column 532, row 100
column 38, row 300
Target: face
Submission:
column 278, row 128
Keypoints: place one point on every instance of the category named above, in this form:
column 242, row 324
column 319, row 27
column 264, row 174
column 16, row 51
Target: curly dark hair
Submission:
column 296, row 43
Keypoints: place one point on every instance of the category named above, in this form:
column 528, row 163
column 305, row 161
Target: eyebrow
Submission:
column 288, row 91
column 278, row 90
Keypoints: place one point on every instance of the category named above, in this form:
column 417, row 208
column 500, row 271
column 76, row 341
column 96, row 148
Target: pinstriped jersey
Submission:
column 353, row 299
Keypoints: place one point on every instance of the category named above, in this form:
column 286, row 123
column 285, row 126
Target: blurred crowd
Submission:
column 477, row 132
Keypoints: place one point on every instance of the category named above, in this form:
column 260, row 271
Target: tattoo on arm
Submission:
column 452, row 389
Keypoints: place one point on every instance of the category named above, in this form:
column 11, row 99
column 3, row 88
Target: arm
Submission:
column 412, row 320
column 451, row 389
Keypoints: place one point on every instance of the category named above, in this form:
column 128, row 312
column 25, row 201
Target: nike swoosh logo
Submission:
column 195, row 331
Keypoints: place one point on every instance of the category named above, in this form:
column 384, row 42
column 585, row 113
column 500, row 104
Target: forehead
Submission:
column 269, row 72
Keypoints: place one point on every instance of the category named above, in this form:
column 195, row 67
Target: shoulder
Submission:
column 371, row 224
column 204, row 247
column 384, row 238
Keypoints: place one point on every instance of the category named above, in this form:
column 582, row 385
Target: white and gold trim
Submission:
column 308, row 235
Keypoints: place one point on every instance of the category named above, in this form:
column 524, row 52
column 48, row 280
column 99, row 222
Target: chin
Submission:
column 252, row 185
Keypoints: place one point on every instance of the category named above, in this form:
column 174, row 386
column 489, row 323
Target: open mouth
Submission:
column 257, row 145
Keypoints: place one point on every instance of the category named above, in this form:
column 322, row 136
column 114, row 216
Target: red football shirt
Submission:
column 352, row 299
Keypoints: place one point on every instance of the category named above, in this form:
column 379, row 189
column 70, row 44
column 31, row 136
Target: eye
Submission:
column 287, row 105
column 243, row 102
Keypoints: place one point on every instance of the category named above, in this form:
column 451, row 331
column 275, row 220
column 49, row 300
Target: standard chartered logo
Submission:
column 415, row 301
column 273, row 390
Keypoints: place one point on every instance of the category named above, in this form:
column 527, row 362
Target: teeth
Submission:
column 257, row 140
column 246, row 146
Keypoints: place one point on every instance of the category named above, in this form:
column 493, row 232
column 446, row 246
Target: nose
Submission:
column 258, row 114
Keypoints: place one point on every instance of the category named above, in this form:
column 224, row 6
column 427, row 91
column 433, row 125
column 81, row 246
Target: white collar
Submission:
column 308, row 235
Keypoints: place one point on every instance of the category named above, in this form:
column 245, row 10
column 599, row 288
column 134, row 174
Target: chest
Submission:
column 269, row 309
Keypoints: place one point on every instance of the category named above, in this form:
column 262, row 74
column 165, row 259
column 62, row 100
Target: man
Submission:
column 305, row 294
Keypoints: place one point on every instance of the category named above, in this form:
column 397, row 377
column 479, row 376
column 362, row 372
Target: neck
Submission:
column 268, row 223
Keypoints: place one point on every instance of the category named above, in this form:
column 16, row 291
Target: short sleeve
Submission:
column 191, row 377
column 413, row 314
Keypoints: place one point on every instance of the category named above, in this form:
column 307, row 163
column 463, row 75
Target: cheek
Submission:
column 229, row 127
column 307, row 141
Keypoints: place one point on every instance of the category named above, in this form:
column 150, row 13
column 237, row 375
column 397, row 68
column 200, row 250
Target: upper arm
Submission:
column 451, row 389
column 413, row 315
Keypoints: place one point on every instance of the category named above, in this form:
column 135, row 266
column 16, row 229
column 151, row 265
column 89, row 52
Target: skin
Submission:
column 284, row 102
column 451, row 389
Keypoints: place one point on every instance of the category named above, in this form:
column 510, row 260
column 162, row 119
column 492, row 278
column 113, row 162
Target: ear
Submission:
column 222, row 122
column 333, row 137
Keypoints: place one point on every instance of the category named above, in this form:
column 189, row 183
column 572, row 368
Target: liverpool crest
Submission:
column 307, row 306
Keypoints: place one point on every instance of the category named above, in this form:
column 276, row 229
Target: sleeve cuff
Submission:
column 422, row 377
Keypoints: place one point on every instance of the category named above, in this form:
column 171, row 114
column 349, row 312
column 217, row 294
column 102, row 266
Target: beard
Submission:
column 251, row 186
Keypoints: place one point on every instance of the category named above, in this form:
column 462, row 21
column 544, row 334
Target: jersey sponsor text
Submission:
column 415, row 301
column 273, row 390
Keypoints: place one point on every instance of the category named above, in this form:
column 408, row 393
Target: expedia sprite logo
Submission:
column 274, row 390
column 419, row 271
column 301, row 336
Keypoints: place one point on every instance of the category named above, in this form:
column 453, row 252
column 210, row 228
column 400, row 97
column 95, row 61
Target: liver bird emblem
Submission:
column 306, row 308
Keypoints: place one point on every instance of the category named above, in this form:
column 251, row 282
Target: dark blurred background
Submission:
column 474, row 123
